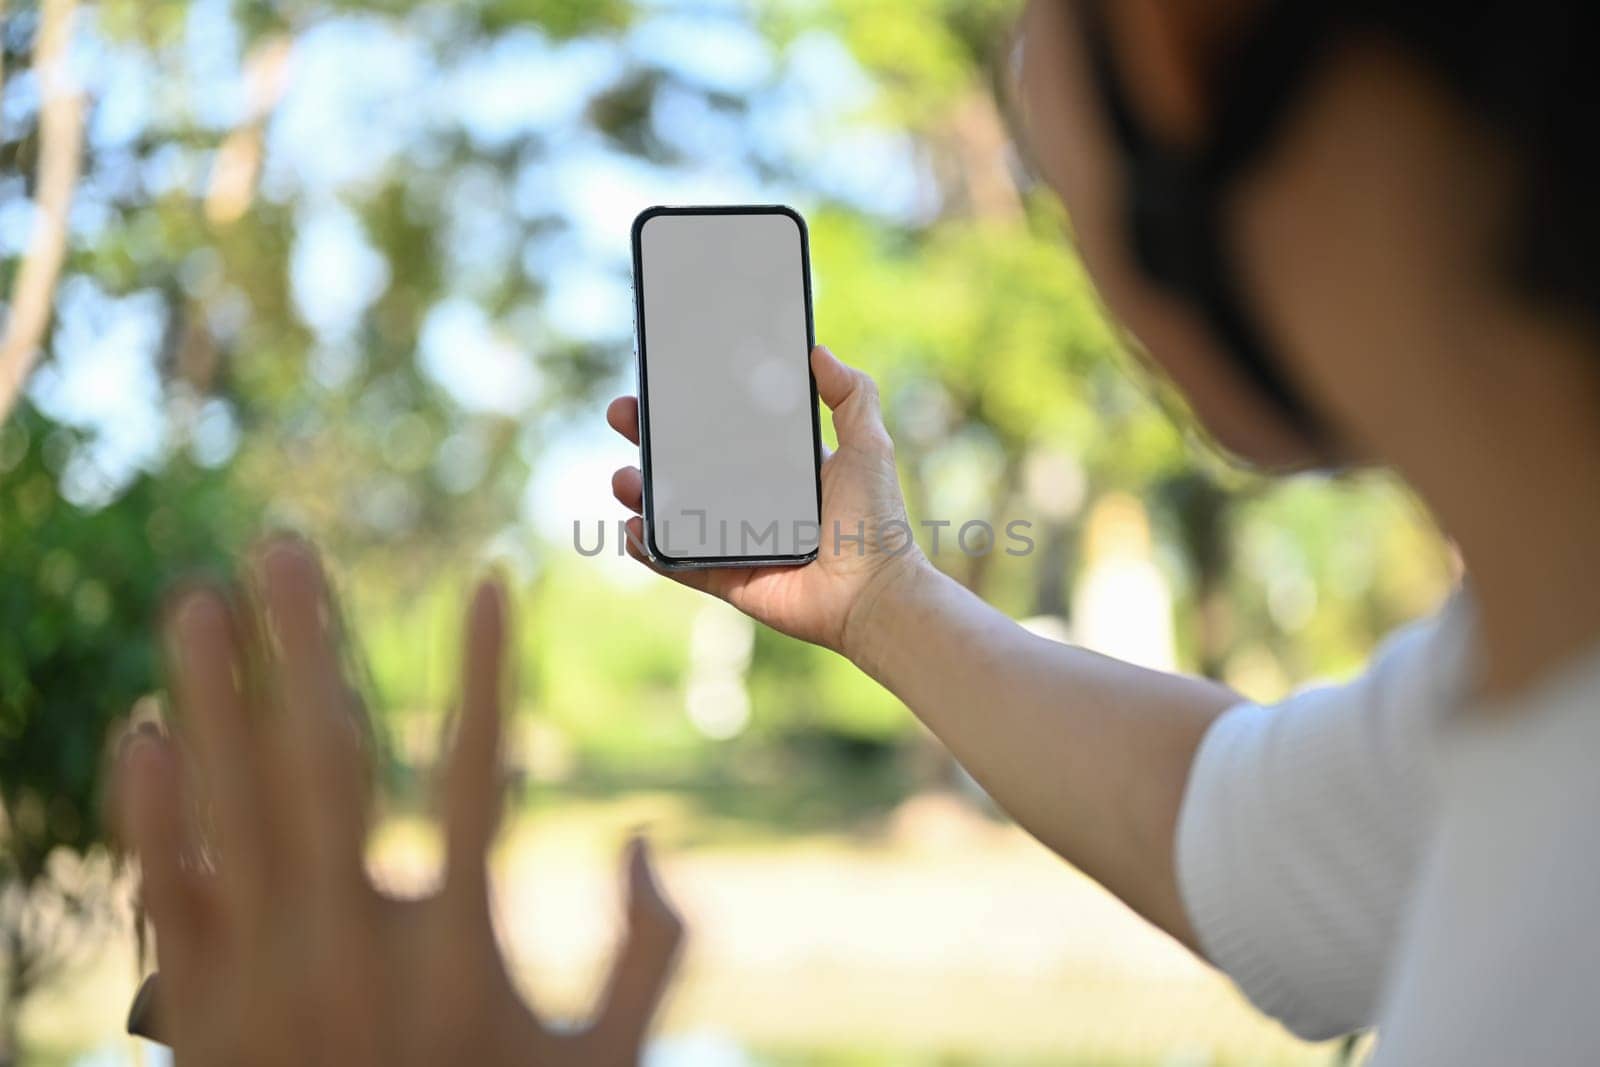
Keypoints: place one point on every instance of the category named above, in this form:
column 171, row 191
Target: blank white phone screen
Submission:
column 727, row 386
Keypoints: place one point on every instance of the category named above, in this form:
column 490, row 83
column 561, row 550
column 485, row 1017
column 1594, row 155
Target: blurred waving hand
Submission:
column 274, row 946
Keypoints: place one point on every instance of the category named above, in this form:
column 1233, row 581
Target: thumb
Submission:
column 647, row 956
column 852, row 396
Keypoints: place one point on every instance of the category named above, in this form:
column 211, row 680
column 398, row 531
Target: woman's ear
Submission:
column 1166, row 51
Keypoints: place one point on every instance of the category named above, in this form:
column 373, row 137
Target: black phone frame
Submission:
column 658, row 557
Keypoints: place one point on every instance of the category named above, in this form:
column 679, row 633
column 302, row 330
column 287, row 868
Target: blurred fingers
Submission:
column 318, row 729
column 473, row 778
column 623, row 415
column 318, row 739
column 645, row 962
column 156, row 824
column 627, row 485
column 207, row 671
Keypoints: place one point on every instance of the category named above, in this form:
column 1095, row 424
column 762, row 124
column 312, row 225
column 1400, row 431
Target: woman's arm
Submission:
column 1088, row 754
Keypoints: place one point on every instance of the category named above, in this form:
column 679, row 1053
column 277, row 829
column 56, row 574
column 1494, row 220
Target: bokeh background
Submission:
column 359, row 268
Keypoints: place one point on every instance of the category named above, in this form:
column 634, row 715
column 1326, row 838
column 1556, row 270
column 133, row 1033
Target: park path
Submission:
column 949, row 934
column 944, row 935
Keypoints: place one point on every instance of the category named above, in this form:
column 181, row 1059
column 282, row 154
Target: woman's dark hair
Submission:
column 1527, row 69
column 1516, row 65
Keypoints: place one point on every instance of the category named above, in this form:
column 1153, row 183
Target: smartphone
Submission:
column 730, row 441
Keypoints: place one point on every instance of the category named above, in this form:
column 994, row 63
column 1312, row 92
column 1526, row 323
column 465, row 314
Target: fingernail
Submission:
column 176, row 597
column 137, row 767
column 147, row 751
column 137, row 733
column 641, row 866
column 273, row 543
column 277, row 549
column 198, row 607
column 131, row 742
column 142, row 1012
column 497, row 578
column 492, row 592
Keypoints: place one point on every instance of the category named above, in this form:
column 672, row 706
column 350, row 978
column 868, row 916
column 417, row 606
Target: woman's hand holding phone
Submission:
column 825, row 601
column 275, row 948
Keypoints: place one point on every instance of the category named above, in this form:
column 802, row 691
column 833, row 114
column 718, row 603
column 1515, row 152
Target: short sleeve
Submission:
column 1300, row 834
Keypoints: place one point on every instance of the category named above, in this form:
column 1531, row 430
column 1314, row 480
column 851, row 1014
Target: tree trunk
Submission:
column 16, row 991
column 1204, row 513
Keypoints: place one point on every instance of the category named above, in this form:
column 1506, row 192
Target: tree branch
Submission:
column 60, row 161
column 238, row 162
column 2, row 49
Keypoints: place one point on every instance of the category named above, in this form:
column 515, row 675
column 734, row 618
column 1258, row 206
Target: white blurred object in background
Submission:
column 720, row 645
column 1122, row 603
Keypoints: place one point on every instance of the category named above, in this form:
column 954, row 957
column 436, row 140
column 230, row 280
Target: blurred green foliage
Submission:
column 80, row 590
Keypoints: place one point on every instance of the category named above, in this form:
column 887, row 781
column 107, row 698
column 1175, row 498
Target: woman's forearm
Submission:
column 1089, row 754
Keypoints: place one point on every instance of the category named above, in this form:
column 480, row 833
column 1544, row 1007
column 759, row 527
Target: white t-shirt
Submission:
column 1382, row 853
